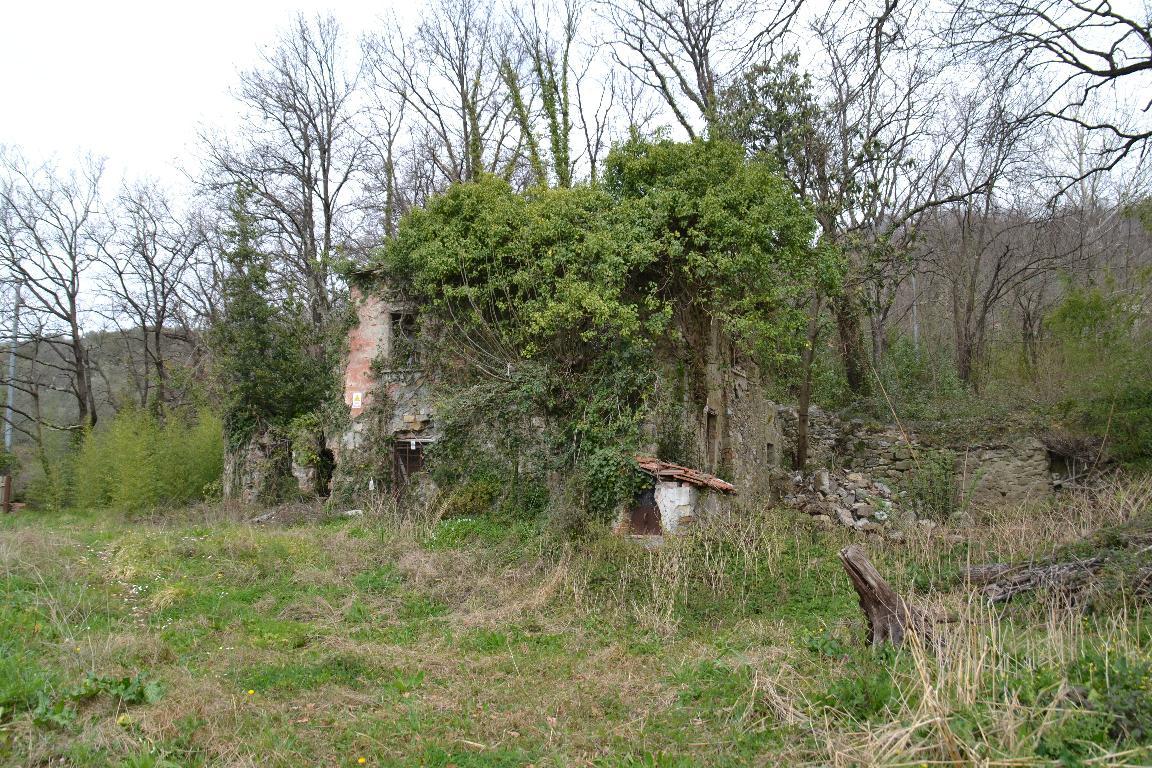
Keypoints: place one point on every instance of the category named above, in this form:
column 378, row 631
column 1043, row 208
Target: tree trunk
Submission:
column 800, row 460
column 851, row 334
column 889, row 616
column 1002, row 582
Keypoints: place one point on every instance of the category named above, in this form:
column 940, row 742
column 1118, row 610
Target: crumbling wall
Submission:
column 729, row 426
column 387, row 399
column 677, row 503
column 987, row 471
column 260, row 470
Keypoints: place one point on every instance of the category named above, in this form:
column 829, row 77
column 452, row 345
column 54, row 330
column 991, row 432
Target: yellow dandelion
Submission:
column 251, row 692
column 361, row 760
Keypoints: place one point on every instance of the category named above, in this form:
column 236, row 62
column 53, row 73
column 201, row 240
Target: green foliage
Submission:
column 136, row 461
column 931, row 484
column 773, row 109
column 866, row 692
column 1119, row 687
column 725, row 235
column 674, row 438
column 23, row 683
column 551, row 306
column 136, row 689
column 271, row 358
column 717, row 686
column 921, row 384
column 49, row 709
column 305, row 432
column 455, row 532
column 1104, row 349
column 337, row 669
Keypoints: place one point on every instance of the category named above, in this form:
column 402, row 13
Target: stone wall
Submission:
column 989, row 471
column 260, row 471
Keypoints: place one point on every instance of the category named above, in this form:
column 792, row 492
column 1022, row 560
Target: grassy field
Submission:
column 192, row 638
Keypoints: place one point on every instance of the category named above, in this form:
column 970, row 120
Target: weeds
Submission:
column 404, row 638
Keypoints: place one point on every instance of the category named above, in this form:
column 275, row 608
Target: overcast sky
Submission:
column 134, row 81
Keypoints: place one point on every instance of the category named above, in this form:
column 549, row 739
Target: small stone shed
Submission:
column 677, row 496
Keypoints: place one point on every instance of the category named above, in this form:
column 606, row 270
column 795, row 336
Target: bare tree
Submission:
column 143, row 281
column 300, row 154
column 1092, row 58
column 448, row 76
column 382, row 190
column 52, row 231
column 686, row 50
column 868, row 140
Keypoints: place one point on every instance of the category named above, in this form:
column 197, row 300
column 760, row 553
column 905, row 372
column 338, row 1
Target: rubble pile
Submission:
column 848, row 498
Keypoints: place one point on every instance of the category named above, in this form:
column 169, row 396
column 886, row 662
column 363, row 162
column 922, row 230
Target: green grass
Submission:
column 184, row 642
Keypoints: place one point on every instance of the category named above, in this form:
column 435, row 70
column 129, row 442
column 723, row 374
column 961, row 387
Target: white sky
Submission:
column 134, row 81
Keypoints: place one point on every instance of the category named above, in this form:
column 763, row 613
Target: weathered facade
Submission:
column 724, row 414
column 724, row 423
column 387, row 395
column 714, row 415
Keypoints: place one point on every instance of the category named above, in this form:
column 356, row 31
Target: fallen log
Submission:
column 1002, row 582
column 978, row 575
column 889, row 616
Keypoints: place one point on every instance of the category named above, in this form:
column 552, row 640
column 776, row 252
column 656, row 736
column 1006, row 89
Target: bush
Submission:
column 1117, row 686
column 1103, row 349
column 138, row 461
column 931, row 485
column 866, row 692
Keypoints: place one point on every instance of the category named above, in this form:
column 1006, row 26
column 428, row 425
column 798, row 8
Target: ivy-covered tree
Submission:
column 561, row 297
column 263, row 345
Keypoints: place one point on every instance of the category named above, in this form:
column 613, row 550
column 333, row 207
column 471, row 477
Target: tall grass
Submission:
column 139, row 461
column 1053, row 688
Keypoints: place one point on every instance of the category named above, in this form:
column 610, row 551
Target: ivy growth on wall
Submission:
column 555, row 305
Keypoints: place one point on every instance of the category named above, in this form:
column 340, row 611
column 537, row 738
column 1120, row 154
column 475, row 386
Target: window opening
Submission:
column 404, row 351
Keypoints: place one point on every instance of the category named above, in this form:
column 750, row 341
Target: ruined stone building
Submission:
column 725, row 420
column 730, row 428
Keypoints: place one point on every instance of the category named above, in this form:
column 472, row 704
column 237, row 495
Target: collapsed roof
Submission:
column 666, row 470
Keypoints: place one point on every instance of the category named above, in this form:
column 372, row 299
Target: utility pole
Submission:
column 8, row 414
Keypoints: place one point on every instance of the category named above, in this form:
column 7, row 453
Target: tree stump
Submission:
column 889, row 616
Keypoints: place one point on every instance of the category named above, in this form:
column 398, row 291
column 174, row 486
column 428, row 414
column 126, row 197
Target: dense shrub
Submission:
column 1102, row 349
column 931, row 485
column 553, row 308
column 137, row 461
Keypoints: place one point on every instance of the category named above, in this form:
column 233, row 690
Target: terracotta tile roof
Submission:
column 666, row 470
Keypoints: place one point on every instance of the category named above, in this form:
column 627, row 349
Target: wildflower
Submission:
column 251, row 692
column 361, row 760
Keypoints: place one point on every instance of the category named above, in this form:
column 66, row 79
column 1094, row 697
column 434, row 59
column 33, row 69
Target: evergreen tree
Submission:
column 262, row 346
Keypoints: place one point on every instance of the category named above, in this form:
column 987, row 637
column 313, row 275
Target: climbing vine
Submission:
column 552, row 308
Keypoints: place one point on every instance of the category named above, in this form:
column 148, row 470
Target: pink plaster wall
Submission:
column 365, row 342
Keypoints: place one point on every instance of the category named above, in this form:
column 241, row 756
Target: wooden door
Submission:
column 645, row 515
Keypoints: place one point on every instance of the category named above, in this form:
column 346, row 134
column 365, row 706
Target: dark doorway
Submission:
column 407, row 460
column 645, row 515
column 324, row 469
